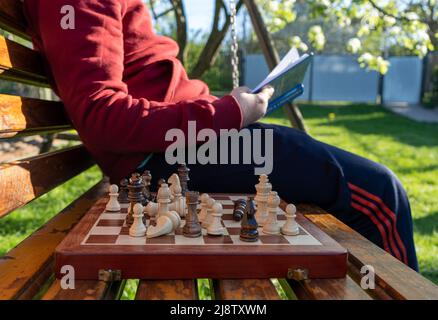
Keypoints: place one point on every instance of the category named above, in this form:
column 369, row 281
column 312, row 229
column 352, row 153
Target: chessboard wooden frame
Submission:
column 328, row 260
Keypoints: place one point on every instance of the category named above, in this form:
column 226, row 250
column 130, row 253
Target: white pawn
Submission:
column 290, row 228
column 209, row 216
column 113, row 204
column 215, row 227
column 137, row 228
column 263, row 188
column 204, row 207
column 271, row 225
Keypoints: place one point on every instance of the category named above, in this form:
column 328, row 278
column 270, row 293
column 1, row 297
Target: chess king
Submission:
column 124, row 88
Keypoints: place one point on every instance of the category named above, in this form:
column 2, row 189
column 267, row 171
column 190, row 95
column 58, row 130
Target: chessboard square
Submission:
column 179, row 231
column 233, row 231
column 220, row 198
column 227, row 216
column 227, row 203
column 124, row 210
column 273, row 239
column 281, row 217
column 237, row 197
column 115, row 216
column 124, row 231
column 237, row 241
column 101, row 239
column 232, row 224
column 110, row 223
column 228, row 211
column 167, row 239
column 130, row 241
column 228, row 206
column 302, row 240
column 217, row 239
column 105, row 230
column 181, row 240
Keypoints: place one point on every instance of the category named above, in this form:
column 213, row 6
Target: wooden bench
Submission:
column 26, row 271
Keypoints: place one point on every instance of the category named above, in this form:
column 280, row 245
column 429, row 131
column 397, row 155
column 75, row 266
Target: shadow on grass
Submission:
column 426, row 225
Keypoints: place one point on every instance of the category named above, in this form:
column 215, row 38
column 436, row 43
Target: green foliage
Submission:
column 431, row 97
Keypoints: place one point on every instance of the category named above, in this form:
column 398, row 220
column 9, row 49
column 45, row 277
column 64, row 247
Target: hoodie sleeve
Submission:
column 87, row 65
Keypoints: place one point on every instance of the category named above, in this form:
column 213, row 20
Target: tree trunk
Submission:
column 211, row 49
column 181, row 28
column 272, row 59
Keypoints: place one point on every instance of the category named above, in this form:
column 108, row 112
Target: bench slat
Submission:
column 12, row 17
column 84, row 290
column 246, row 289
column 328, row 289
column 34, row 256
column 167, row 290
column 25, row 180
column 21, row 64
column 397, row 280
column 23, row 116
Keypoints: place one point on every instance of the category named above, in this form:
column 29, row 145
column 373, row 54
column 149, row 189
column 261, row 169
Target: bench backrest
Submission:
column 25, row 180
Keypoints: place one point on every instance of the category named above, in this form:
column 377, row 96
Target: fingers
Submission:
column 240, row 90
column 267, row 92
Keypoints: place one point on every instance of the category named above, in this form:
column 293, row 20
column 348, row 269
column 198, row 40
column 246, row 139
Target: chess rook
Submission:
column 137, row 229
column 113, row 204
column 135, row 195
column 192, row 228
column 271, row 225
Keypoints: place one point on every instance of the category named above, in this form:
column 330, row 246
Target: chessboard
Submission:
column 101, row 241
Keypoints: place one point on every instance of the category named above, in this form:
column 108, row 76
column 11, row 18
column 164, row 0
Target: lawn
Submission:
column 410, row 149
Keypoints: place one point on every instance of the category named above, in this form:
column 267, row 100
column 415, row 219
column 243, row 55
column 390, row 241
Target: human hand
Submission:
column 253, row 106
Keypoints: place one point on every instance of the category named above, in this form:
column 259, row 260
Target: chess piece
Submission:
column 113, row 205
column 290, row 228
column 151, row 210
column 163, row 226
column 123, row 193
column 146, row 177
column 192, row 228
column 271, row 225
column 216, row 228
column 183, row 173
column 135, row 195
column 239, row 209
column 137, row 228
column 160, row 182
column 207, row 220
column 248, row 230
column 178, row 201
column 263, row 188
column 204, row 207
column 163, row 199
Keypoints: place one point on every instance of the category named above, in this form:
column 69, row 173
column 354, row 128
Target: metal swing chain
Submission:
column 234, row 44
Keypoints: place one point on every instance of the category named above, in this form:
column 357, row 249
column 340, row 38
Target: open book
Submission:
column 286, row 78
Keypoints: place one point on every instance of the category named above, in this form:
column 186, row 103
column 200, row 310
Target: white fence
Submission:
column 340, row 78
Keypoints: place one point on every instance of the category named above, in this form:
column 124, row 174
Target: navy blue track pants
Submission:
column 363, row 194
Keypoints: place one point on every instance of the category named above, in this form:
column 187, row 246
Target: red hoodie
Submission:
column 121, row 84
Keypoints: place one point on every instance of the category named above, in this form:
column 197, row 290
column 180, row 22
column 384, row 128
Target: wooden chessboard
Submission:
column 101, row 241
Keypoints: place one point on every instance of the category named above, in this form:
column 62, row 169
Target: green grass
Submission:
column 408, row 148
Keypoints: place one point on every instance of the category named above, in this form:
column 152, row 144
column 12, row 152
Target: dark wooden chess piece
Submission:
column 192, row 227
column 183, row 174
column 146, row 177
column 239, row 209
column 248, row 231
column 123, row 191
column 135, row 195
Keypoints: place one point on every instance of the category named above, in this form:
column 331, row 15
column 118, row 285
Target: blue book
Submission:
column 287, row 79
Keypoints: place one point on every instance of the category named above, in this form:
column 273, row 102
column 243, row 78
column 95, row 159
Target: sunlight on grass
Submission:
column 408, row 148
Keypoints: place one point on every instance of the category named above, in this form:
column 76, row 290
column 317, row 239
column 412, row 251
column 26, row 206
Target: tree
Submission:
column 378, row 26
